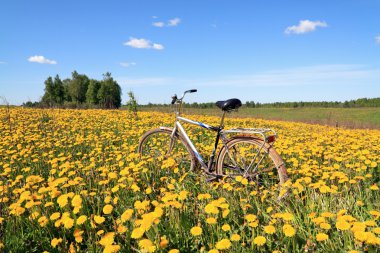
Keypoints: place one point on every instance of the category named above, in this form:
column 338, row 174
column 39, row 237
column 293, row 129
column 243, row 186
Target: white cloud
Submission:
column 377, row 39
column 143, row 43
column 171, row 22
column 174, row 22
column 305, row 26
column 41, row 59
column 127, row 64
column 158, row 46
column 158, row 24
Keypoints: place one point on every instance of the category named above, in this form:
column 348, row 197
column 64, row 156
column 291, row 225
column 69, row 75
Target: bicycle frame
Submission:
column 268, row 135
column 178, row 127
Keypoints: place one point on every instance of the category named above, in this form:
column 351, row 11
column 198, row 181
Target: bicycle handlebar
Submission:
column 175, row 98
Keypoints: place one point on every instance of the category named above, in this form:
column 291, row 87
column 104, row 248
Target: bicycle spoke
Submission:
column 248, row 158
column 159, row 146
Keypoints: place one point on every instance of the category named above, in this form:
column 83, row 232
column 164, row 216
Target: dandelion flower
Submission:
column 250, row 217
column 342, row 225
column 259, row 240
column 211, row 220
column 322, row 237
column 226, row 227
column 288, row 230
column 107, row 209
column 223, row 244
column 99, row 219
column 235, row 237
column 270, row 229
column 81, row 219
column 147, row 246
column 196, row 231
column 55, row 242
column 137, row 233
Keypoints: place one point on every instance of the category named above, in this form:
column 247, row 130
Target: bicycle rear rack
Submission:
column 267, row 134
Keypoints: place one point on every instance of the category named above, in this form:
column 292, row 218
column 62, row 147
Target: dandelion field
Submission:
column 72, row 181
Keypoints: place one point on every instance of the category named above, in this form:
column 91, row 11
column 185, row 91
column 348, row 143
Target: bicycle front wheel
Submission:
column 157, row 146
column 255, row 160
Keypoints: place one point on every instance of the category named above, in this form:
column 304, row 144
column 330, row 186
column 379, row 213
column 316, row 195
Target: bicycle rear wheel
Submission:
column 157, row 146
column 255, row 160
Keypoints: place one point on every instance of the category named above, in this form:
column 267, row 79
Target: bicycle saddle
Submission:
column 229, row 105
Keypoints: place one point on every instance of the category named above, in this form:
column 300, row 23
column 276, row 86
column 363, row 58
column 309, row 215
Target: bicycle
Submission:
column 247, row 153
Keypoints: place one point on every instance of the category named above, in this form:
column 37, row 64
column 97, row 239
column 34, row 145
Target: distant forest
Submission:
column 361, row 102
column 79, row 91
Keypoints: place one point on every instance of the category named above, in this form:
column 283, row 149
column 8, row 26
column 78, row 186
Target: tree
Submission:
column 132, row 103
column 109, row 93
column 78, row 87
column 48, row 97
column 92, row 92
column 58, row 91
column 66, row 93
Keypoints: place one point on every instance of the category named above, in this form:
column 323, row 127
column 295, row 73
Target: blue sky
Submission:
column 264, row 51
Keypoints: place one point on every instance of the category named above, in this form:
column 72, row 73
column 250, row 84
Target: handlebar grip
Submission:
column 174, row 99
column 193, row 90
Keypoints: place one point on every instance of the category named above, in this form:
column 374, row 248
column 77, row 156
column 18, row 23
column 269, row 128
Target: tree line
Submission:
column 361, row 102
column 80, row 91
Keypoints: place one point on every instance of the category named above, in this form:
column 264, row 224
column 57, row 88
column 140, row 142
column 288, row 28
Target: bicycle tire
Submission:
column 147, row 147
column 268, row 180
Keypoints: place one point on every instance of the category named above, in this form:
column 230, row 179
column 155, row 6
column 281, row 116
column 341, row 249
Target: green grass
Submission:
column 343, row 117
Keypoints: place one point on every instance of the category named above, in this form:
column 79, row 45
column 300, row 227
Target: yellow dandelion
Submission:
column 147, row 245
column 43, row 221
column 137, row 233
column 287, row 216
column 107, row 239
column 361, row 236
column 259, row 240
column 81, row 219
column 325, row 225
column 250, row 217
column 288, row 230
column 270, row 229
column 55, row 216
column 235, row 237
column 76, row 201
column 62, row 200
column 196, row 231
column 126, row 216
column 226, row 227
column 111, row 248
column 55, row 242
column 322, row 237
column 342, row 225
column 211, row 220
column 223, row 244
column 68, row 222
column 99, row 219
column 107, row 209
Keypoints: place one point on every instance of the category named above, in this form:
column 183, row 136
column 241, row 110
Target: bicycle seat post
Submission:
column 221, row 126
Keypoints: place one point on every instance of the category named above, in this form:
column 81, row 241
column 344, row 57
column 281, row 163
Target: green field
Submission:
column 343, row 117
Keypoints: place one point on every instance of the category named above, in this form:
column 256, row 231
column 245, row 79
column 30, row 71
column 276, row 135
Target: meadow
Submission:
column 71, row 181
column 364, row 117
